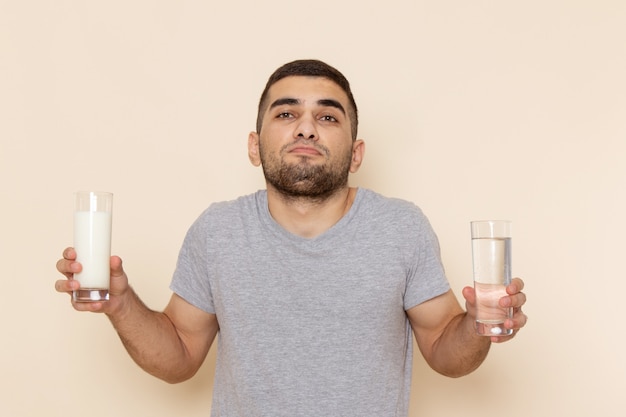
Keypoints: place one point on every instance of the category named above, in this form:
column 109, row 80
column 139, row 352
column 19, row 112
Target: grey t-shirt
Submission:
column 311, row 327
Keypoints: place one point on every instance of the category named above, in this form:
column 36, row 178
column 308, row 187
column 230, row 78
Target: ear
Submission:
column 253, row 149
column 358, row 151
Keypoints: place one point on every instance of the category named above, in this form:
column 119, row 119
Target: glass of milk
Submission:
column 491, row 256
column 92, row 242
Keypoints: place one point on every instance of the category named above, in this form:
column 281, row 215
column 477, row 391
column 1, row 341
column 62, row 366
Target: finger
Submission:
column 518, row 300
column 515, row 323
column 95, row 307
column 68, row 267
column 469, row 294
column 69, row 254
column 66, row 285
column 116, row 266
column 516, row 285
column 518, row 321
column 515, row 301
column 508, row 324
column 65, row 265
column 501, row 339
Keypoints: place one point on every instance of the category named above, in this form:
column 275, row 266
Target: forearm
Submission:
column 459, row 351
column 152, row 340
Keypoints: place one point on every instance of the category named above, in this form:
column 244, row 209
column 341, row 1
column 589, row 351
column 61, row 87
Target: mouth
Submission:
column 304, row 150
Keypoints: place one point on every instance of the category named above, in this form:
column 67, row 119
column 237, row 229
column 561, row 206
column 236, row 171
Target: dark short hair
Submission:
column 310, row 68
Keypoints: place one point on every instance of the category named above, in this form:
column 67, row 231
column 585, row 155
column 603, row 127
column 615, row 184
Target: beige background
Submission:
column 471, row 109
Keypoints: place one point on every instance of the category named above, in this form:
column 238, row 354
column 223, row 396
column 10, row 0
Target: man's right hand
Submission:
column 118, row 284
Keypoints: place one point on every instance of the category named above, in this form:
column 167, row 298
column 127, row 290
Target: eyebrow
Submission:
column 325, row 102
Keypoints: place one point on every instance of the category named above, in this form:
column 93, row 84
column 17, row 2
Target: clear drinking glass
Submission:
column 92, row 242
column 491, row 256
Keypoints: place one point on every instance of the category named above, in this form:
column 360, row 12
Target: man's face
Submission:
column 305, row 145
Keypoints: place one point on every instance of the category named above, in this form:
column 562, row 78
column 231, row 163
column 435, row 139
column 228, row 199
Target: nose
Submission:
column 306, row 129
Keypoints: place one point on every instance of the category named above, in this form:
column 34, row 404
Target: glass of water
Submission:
column 491, row 256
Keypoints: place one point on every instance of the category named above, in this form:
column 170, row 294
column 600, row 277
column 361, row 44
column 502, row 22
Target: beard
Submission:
column 304, row 179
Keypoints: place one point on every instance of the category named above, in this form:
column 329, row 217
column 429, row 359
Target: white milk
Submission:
column 92, row 242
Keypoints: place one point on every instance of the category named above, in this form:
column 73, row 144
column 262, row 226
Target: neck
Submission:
column 309, row 217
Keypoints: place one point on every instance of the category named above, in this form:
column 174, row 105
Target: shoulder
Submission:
column 383, row 207
column 393, row 218
column 223, row 215
column 233, row 208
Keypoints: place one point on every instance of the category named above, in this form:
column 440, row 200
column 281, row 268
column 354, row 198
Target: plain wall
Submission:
column 471, row 109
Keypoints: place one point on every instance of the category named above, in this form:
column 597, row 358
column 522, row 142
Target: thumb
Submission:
column 116, row 266
column 119, row 280
column 470, row 295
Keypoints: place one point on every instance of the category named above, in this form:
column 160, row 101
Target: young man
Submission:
column 315, row 288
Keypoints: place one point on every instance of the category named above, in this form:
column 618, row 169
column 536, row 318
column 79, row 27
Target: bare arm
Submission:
column 446, row 335
column 170, row 345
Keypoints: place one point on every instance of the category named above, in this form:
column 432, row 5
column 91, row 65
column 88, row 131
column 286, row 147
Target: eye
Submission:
column 284, row 115
column 328, row 118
